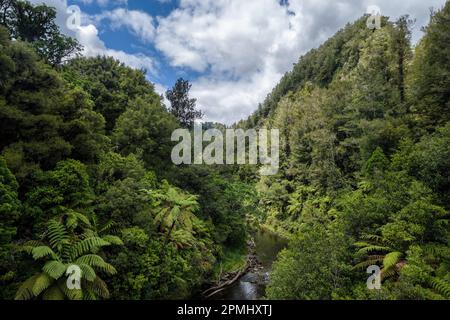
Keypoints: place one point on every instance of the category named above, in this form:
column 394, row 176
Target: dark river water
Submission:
column 252, row 285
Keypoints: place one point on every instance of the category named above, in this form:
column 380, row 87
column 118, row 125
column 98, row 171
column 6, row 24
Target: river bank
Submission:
column 250, row 281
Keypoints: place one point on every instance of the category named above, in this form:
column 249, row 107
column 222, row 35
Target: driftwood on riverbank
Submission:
column 230, row 278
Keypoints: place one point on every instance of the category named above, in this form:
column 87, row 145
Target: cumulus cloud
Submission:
column 137, row 22
column 88, row 36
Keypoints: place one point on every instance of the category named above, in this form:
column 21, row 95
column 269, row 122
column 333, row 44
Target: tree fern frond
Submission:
column 88, row 272
column 43, row 281
column 96, row 261
column 42, row 252
column 29, row 246
column 53, row 293
column 391, row 259
column 71, row 294
column 100, row 288
column 25, row 291
column 441, row 286
column 388, row 273
column 54, row 269
column 86, row 246
column 369, row 262
column 89, row 295
column 362, row 244
column 57, row 234
column 109, row 226
column 373, row 248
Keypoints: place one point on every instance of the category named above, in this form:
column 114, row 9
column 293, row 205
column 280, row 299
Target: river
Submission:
column 252, row 285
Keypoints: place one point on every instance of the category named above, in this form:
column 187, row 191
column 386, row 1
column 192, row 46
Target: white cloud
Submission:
column 138, row 22
column 104, row 3
column 88, row 35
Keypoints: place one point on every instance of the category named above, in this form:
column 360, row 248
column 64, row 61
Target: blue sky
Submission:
column 233, row 51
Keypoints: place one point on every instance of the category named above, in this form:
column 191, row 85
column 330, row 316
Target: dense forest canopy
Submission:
column 86, row 177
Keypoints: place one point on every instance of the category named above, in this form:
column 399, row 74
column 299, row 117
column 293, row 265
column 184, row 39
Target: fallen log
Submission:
column 215, row 290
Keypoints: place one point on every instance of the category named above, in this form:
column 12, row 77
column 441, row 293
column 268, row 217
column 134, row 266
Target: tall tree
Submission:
column 36, row 24
column 183, row 107
column 401, row 39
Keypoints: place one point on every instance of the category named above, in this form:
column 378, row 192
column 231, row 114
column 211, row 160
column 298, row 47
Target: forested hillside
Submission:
column 364, row 178
column 86, row 176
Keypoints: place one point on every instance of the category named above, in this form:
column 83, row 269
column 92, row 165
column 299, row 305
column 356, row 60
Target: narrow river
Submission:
column 252, row 285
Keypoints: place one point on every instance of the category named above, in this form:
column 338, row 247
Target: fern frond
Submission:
column 369, row 262
column 373, row 248
column 441, row 286
column 100, row 288
column 53, row 293
column 57, row 235
column 29, row 246
column 88, row 272
column 43, row 281
column 71, row 294
column 86, row 246
column 42, row 252
column 391, row 259
column 25, row 291
column 89, row 294
column 109, row 226
column 96, row 261
column 437, row 250
column 54, row 269
column 388, row 273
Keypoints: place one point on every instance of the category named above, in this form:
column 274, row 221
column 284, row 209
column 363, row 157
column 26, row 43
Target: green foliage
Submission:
column 183, row 107
column 110, row 84
column 312, row 268
column 64, row 248
column 145, row 129
column 36, row 24
column 43, row 119
column 429, row 78
column 85, row 169
column 10, row 211
column 364, row 152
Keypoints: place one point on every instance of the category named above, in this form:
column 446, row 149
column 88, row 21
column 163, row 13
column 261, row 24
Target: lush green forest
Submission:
column 86, row 177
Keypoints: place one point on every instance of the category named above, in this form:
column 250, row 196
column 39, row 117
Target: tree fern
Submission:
column 377, row 250
column 65, row 249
